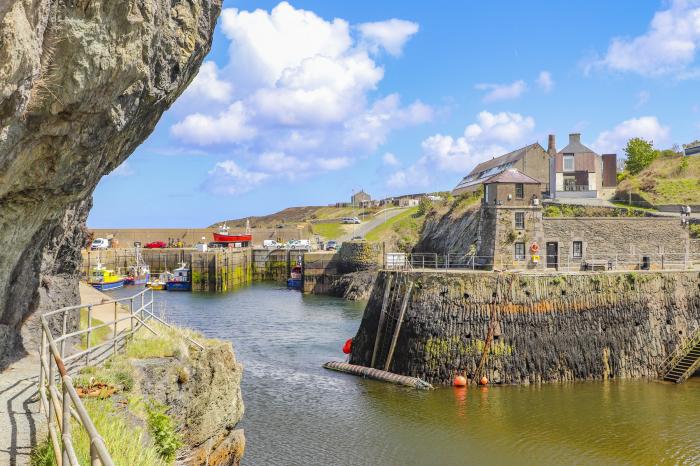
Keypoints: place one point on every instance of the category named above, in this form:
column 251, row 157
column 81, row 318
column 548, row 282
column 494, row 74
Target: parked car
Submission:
column 350, row 220
column 358, row 238
column 331, row 245
column 100, row 243
column 155, row 245
column 299, row 244
column 271, row 244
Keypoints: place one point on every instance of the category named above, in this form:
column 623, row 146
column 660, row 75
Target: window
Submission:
column 520, row 251
column 520, row 220
column 519, row 191
column 578, row 249
column 569, row 162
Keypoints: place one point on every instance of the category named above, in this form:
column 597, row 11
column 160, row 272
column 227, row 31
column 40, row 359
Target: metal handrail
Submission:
column 680, row 352
column 59, row 405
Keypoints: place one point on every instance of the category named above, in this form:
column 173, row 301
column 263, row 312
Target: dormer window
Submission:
column 568, row 162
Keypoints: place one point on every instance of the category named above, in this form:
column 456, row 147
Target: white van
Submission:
column 271, row 244
column 100, row 243
column 300, row 244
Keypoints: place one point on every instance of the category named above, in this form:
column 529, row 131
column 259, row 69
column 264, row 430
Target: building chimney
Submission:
column 552, row 146
column 575, row 138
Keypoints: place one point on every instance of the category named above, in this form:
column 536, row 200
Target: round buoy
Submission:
column 460, row 381
column 484, row 381
column 347, row 347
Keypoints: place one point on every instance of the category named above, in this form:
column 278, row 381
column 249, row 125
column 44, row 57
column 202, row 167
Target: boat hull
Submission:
column 294, row 283
column 178, row 286
column 219, row 238
column 136, row 280
column 107, row 286
column 156, row 286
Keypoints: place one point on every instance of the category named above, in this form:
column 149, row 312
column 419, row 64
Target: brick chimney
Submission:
column 575, row 137
column 552, row 146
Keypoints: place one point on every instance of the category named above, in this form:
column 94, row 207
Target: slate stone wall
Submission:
column 546, row 327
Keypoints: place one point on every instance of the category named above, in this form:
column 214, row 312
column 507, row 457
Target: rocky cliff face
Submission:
column 82, row 84
column 452, row 232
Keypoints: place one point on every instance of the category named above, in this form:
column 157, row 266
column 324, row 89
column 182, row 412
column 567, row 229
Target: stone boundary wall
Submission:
column 359, row 255
column 547, row 327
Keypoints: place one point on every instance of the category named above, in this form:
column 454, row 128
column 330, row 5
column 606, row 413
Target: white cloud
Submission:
column 300, row 87
column 490, row 136
column 228, row 126
column 545, row 81
column 208, row 86
column 123, row 170
column 390, row 159
column 391, row 35
column 669, row 45
column 228, row 178
column 642, row 98
column 647, row 127
column 498, row 92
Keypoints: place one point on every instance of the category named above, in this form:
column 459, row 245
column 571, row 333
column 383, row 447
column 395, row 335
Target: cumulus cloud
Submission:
column 647, row 127
column 301, row 90
column 208, row 85
column 668, row 46
column 390, row 35
column 498, row 92
column 545, row 81
column 229, row 178
column 390, row 159
column 489, row 136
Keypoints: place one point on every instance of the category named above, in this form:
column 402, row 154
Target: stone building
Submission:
column 513, row 233
column 360, row 197
column 531, row 160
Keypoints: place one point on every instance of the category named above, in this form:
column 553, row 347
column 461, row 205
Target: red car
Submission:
column 155, row 245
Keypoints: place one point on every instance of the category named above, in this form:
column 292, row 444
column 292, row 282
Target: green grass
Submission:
column 400, row 232
column 97, row 336
column 568, row 210
column 328, row 230
column 128, row 443
column 668, row 180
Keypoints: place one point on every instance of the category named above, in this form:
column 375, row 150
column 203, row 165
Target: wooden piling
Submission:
column 382, row 316
column 392, row 347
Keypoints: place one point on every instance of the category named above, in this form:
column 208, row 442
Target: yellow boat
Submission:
column 102, row 278
column 158, row 283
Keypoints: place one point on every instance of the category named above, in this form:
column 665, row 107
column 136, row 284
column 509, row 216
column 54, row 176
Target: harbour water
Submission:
column 298, row 413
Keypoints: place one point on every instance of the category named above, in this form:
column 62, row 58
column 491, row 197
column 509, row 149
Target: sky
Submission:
column 302, row 103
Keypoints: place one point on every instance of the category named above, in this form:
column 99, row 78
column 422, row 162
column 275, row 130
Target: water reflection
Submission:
column 299, row 414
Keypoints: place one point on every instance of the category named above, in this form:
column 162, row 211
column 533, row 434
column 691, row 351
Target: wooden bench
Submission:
column 597, row 264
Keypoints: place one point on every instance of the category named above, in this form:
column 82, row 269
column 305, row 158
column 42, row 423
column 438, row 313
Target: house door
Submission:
column 552, row 255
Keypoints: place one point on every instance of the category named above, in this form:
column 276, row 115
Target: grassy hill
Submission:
column 299, row 215
column 668, row 180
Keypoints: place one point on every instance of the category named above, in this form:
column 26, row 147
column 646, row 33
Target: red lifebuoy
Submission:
column 347, row 347
column 534, row 248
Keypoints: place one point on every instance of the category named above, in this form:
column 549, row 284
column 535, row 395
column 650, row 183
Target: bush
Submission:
column 695, row 230
column 166, row 439
column 424, row 206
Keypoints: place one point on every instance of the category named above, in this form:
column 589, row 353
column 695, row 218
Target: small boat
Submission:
column 139, row 273
column 180, row 279
column 158, row 283
column 295, row 278
column 223, row 236
column 102, row 278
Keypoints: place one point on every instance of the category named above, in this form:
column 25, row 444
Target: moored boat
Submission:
column 223, row 236
column 158, row 283
column 138, row 274
column 295, row 278
column 180, row 279
column 102, row 278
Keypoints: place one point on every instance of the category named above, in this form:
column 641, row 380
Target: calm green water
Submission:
column 297, row 413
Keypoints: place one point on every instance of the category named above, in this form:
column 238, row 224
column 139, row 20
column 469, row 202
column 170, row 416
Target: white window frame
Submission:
column 565, row 158
column 519, row 257
column 573, row 250
column 515, row 220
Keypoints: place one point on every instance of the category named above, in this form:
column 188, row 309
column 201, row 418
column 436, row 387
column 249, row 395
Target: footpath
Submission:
column 21, row 424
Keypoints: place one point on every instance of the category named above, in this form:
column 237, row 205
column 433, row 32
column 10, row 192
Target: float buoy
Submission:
column 484, row 381
column 460, row 381
column 347, row 347
column 534, row 248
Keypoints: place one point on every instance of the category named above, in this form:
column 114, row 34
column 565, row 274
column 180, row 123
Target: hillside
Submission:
column 299, row 215
column 668, row 180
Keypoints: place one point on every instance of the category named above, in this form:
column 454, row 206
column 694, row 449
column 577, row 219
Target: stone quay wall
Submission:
column 545, row 327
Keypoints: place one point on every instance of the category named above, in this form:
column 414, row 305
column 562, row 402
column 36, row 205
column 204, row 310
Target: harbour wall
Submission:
column 545, row 327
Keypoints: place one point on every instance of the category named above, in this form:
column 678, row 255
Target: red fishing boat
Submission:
column 223, row 236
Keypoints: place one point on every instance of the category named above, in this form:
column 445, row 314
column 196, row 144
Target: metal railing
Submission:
column 576, row 187
column 681, row 351
column 614, row 262
column 59, row 400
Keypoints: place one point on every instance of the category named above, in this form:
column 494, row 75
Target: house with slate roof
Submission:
column 578, row 172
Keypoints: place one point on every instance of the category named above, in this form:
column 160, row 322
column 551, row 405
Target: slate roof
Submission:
column 486, row 170
column 575, row 147
column 512, row 175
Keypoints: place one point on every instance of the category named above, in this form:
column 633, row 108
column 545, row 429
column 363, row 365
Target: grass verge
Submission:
column 328, row 230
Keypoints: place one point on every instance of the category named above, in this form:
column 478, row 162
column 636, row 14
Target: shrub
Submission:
column 695, row 230
column 166, row 439
column 424, row 206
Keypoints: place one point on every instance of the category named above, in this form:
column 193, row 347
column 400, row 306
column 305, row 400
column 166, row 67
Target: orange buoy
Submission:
column 535, row 248
column 347, row 347
column 484, row 381
column 460, row 381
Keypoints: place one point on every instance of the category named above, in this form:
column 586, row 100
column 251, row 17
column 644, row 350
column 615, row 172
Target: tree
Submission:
column 640, row 153
column 424, row 205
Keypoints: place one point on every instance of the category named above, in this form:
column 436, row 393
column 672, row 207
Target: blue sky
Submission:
column 301, row 103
